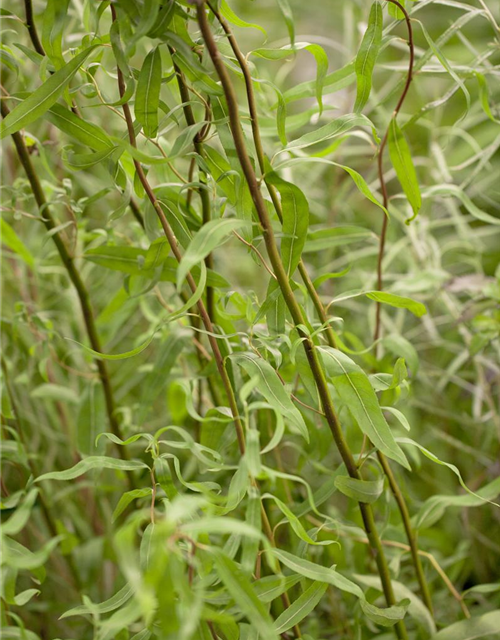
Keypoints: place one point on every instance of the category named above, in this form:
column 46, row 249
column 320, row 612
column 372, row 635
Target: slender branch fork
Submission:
column 293, row 305
column 330, row 336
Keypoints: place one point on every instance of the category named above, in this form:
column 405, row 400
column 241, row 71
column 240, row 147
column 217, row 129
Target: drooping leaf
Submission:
column 44, row 97
column 328, row 131
column 417, row 308
column 93, row 462
column 301, row 607
column 367, row 491
column 477, row 627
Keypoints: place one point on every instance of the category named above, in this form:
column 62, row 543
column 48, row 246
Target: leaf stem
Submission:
column 383, row 185
column 293, row 305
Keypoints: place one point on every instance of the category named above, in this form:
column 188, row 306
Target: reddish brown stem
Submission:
column 383, row 186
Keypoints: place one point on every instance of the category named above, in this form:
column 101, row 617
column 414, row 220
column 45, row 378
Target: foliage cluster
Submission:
column 250, row 320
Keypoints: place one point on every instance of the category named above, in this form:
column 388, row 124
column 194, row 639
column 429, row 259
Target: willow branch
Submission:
column 383, row 186
column 293, row 305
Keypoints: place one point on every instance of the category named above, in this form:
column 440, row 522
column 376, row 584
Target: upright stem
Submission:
column 383, row 186
column 68, row 262
column 293, row 305
column 259, row 148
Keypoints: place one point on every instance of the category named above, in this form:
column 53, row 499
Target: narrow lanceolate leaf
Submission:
column 355, row 390
column 361, row 490
column 301, row 608
column 286, row 12
column 331, row 130
column 367, row 56
column 417, row 308
column 317, row 572
column 435, row 506
column 147, row 97
column 81, row 130
column 44, row 97
column 10, row 239
column 272, row 389
column 477, row 627
column 115, row 602
column 243, row 594
column 295, row 221
column 400, row 155
column 93, row 462
column 212, row 234
column 18, row 520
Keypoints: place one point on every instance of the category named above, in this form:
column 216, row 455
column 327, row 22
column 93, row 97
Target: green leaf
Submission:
column 361, row 490
column 295, row 210
column 272, row 389
column 484, row 96
column 19, row 519
column 434, row 507
column 335, row 237
column 400, row 155
column 93, row 462
column 295, row 522
column 113, row 603
column 127, row 498
column 416, row 607
column 355, row 390
column 385, row 617
column 317, row 572
column 452, row 467
column 417, row 308
column 82, row 130
column 44, row 97
column 231, row 17
column 456, row 192
column 367, row 56
column 10, row 239
column 213, row 234
column 477, row 627
column 328, row 131
column 286, row 12
column 301, row 607
column 147, row 97
column 243, row 594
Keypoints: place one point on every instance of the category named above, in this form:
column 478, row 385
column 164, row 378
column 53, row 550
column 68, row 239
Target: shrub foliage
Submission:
column 250, row 326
